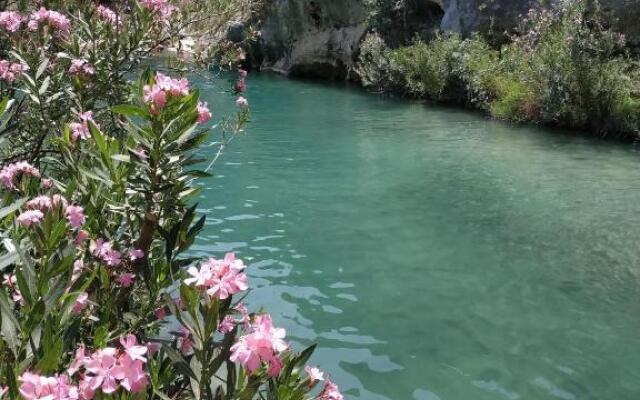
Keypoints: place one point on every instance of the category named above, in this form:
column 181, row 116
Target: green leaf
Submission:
column 130, row 110
column 13, row 207
column 42, row 67
column 121, row 157
column 10, row 325
column 8, row 259
column 179, row 362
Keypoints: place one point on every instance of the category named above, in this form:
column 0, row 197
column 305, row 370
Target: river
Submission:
column 430, row 252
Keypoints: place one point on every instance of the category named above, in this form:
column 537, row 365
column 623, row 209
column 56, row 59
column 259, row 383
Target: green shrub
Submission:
column 565, row 67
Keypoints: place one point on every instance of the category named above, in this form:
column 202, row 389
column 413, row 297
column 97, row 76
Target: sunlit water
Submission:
column 432, row 253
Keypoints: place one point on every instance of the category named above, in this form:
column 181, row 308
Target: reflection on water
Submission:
column 433, row 254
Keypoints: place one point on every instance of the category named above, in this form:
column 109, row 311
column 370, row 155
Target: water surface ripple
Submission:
column 431, row 253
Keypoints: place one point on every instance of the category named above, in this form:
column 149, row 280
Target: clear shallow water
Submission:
column 431, row 253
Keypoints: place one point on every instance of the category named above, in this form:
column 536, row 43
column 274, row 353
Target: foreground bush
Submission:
column 564, row 68
column 100, row 297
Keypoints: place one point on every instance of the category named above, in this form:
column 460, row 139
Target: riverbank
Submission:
column 565, row 67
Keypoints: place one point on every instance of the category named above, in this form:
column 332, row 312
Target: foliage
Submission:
column 101, row 297
column 565, row 67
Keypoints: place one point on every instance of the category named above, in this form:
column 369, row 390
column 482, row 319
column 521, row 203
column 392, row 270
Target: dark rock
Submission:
column 236, row 32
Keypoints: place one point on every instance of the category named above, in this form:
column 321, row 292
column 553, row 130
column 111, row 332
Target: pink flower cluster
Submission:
column 241, row 84
column 31, row 217
column 330, row 392
column 158, row 93
column 262, row 345
column 204, row 114
column 36, row 387
column 80, row 129
column 9, row 71
column 162, row 7
column 10, row 20
column 104, row 251
column 108, row 15
column 10, row 172
column 220, row 278
column 46, row 203
column 242, row 103
column 38, row 205
column 81, row 67
column 53, row 19
column 108, row 370
column 11, row 283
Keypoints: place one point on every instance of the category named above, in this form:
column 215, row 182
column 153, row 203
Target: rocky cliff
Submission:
column 320, row 38
column 314, row 38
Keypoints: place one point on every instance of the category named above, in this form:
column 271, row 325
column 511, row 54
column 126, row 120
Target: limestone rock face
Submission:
column 320, row 38
column 313, row 38
column 466, row 16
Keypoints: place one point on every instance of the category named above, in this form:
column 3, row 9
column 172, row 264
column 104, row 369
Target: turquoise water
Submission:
column 432, row 253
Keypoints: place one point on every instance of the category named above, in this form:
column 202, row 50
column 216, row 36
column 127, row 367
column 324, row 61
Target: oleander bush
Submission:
column 100, row 295
column 563, row 67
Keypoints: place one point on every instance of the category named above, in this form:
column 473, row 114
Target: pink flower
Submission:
column 47, row 183
column 314, row 374
column 82, row 236
column 220, row 278
column 108, row 15
column 154, row 94
column 204, row 114
column 103, row 369
column 275, row 366
column 136, row 254
column 108, row 369
column 140, row 152
column 261, row 345
column 10, row 20
column 161, row 7
column 242, row 103
column 52, row 18
column 10, row 281
column 10, row 172
column 160, row 313
column 112, row 258
column 177, row 87
column 131, row 373
column 78, row 266
column 30, row 217
column 104, row 250
column 42, row 203
column 81, row 67
column 227, row 324
column 81, row 303
column 36, row 387
column 3, row 391
column 133, row 350
column 241, row 85
column 59, row 201
column 80, row 129
column 330, row 392
column 9, row 71
column 185, row 343
column 126, row 280
column 165, row 86
column 75, row 216
column 153, row 348
column 242, row 73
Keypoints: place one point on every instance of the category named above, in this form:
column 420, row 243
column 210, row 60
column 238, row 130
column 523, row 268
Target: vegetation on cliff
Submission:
column 563, row 67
